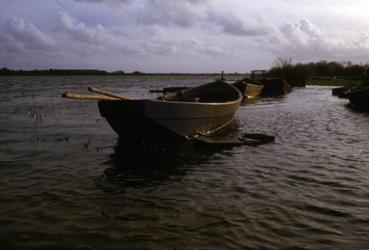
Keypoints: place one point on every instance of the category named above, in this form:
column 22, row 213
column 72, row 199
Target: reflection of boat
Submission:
column 200, row 110
column 249, row 88
column 135, row 166
column 359, row 98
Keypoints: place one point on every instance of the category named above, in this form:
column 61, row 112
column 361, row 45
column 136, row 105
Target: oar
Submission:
column 87, row 97
column 110, row 94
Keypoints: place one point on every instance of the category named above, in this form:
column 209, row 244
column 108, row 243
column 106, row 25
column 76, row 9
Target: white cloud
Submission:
column 21, row 35
column 230, row 24
column 142, row 41
column 79, row 31
column 86, row 39
column 305, row 41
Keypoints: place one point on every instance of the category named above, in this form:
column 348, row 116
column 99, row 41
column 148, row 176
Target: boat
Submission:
column 359, row 98
column 249, row 88
column 341, row 92
column 275, row 87
column 202, row 110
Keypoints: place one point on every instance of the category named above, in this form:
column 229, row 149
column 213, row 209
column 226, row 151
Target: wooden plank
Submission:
column 110, row 94
column 87, row 97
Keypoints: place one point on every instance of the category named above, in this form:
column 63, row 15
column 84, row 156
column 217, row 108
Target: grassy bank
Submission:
column 327, row 81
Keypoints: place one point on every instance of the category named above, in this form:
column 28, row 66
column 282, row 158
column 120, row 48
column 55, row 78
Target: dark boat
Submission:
column 341, row 92
column 275, row 87
column 201, row 110
column 359, row 98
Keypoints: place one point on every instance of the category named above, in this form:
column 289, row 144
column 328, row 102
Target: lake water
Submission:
column 65, row 183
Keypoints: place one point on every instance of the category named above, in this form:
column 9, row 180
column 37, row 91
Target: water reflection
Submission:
column 135, row 166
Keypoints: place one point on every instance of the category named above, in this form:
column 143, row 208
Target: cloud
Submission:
column 196, row 46
column 96, row 37
column 230, row 24
column 78, row 31
column 207, row 33
column 114, row 40
column 184, row 14
column 304, row 40
column 195, row 14
column 104, row 1
column 19, row 35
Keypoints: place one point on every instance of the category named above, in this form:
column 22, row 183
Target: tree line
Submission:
column 6, row 71
column 346, row 69
column 63, row 72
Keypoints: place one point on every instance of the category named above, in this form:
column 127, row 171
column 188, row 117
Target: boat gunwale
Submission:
column 157, row 100
column 197, row 103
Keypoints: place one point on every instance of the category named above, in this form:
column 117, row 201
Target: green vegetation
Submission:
column 320, row 73
column 298, row 74
column 329, row 81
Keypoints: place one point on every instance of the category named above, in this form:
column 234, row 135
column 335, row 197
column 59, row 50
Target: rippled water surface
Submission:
column 65, row 183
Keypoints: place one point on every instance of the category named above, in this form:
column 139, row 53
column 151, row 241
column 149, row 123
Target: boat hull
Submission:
column 249, row 88
column 359, row 98
column 128, row 120
column 202, row 110
column 253, row 90
column 160, row 121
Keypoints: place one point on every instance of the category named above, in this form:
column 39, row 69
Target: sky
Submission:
column 185, row 36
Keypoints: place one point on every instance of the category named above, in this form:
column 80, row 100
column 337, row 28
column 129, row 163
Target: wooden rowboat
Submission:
column 249, row 88
column 201, row 110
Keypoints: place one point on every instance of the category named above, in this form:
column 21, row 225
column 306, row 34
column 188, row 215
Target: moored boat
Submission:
column 249, row 88
column 201, row 110
column 275, row 87
column 341, row 92
column 359, row 98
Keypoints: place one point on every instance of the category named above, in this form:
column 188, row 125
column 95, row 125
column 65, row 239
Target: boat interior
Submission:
column 218, row 91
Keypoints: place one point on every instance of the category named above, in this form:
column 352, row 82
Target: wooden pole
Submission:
column 87, row 97
column 110, row 94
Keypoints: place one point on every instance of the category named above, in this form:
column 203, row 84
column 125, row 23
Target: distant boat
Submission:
column 249, row 88
column 275, row 87
column 341, row 92
column 183, row 114
column 359, row 98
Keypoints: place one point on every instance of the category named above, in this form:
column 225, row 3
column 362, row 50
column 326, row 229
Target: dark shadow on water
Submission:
column 357, row 109
column 136, row 166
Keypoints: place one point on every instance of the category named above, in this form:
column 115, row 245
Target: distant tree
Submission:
column 296, row 72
